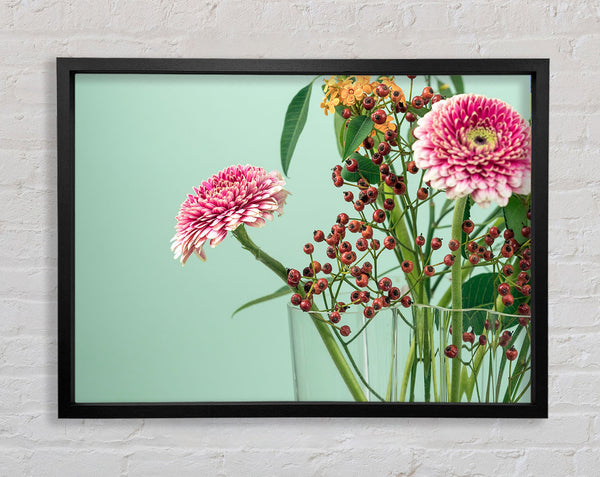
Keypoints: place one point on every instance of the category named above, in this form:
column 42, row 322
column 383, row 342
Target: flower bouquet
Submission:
column 419, row 288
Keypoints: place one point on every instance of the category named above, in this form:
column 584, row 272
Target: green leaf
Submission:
column 515, row 215
column 419, row 112
column 477, row 292
column 358, row 129
column 459, row 85
column 339, row 125
column 365, row 167
column 463, row 237
column 295, row 119
column 284, row 290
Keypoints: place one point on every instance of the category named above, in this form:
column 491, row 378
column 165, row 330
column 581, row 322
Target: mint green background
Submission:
column 146, row 328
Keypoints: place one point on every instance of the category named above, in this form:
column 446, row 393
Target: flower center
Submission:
column 482, row 137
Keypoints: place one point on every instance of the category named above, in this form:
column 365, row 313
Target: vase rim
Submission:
column 398, row 306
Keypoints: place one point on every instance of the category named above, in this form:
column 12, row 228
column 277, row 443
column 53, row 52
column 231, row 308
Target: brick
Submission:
column 65, row 462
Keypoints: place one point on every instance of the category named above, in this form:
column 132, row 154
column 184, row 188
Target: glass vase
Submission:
column 406, row 355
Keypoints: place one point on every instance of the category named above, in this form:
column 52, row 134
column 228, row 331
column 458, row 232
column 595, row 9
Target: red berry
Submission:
column 410, row 117
column 388, row 204
column 335, row 317
column 407, row 266
column 369, row 312
column 420, row 240
column 331, row 252
column 449, row 260
column 294, row 277
column 348, row 196
column 494, row 232
column 367, row 232
column 504, row 289
column 385, row 284
column 401, row 107
column 512, row 353
column 296, row 299
column 451, row 351
column 390, row 135
column 526, row 231
column 367, row 268
column 375, row 244
column 468, row 226
column 524, row 264
column 389, row 242
column 468, row 337
column 429, row 271
column 474, row 259
column 507, row 251
column 368, row 103
column 422, row 193
column 327, row 268
column 411, row 76
column 354, row 226
column 384, row 148
column 379, row 116
column 417, row 102
column 379, row 216
column 364, row 296
column 382, row 90
column 412, row 167
column 507, row 270
column 362, row 244
column 436, row 98
column 332, row 239
column 351, row 165
column 316, row 266
column 362, row 183
column 377, row 158
column 346, row 113
column 338, row 181
column 524, row 309
column 472, row 247
column 362, row 281
column 489, row 240
column 427, row 92
column 394, row 293
column 453, row 245
column 305, row 305
column 396, row 96
column 482, row 340
column 436, row 243
column 345, row 330
column 526, row 290
column 359, row 205
column 318, row 236
column 508, row 300
column 406, row 301
column 399, row 188
column 377, row 304
column 508, row 234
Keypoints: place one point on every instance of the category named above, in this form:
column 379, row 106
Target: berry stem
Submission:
column 457, row 325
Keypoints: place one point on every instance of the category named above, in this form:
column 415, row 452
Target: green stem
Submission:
column 324, row 330
column 457, row 220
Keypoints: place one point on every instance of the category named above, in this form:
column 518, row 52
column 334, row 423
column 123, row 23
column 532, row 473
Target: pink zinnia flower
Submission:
column 470, row 144
column 235, row 196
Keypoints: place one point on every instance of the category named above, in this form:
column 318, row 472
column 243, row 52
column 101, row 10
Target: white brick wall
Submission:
column 34, row 443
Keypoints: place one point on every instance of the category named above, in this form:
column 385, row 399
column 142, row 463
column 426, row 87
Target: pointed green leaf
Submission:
column 515, row 215
column 365, row 167
column 459, row 85
column 358, row 129
column 285, row 290
column 477, row 292
column 339, row 126
column 295, row 119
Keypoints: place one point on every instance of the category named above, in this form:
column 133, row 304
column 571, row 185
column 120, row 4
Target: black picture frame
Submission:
column 67, row 68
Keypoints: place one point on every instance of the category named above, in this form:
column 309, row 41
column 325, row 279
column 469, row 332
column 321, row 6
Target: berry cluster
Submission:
column 499, row 338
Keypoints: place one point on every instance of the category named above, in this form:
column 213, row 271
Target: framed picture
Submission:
column 359, row 237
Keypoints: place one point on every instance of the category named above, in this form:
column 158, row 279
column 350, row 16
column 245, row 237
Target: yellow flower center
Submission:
column 482, row 137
